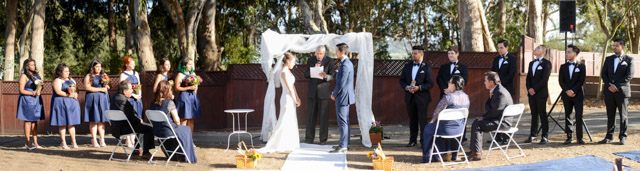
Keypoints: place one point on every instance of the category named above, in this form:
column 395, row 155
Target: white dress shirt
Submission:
column 414, row 70
column 534, row 67
column 452, row 67
column 571, row 68
column 501, row 60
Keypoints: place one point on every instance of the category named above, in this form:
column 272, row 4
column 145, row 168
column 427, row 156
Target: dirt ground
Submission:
column 211, row 152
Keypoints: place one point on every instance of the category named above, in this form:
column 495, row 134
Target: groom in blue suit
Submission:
column 344, row 96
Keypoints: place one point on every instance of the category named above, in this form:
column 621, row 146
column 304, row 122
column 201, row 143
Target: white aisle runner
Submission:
column 315, row 157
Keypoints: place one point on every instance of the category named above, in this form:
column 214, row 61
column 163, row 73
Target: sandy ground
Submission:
column 212, row 155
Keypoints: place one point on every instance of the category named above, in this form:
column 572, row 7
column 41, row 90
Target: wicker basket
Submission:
column 245, row 163
column 383, row 164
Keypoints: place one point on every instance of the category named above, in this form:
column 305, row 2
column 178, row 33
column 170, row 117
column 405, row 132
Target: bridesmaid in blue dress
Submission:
column 188, row 103
column 457, row 99
column 162, row 73
column 30, row 108
column 128, row 73
column 162, row 129
column 96, row 101
column 65, row 108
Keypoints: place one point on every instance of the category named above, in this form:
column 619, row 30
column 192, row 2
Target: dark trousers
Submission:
column 317, row 108
column 569, row 104
column 538, row 107
column 417, row 119
column 615, row 101
column 480, row 126
column 147, row 137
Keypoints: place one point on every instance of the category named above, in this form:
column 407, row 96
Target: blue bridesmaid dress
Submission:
column 188, row 103
column 64, row 110
column 96, row 103
column 30, row 108
column 137, row 104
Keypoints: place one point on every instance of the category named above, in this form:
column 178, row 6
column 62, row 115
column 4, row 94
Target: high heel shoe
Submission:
column 103, row 144
column 75, row 146
column 36, row 146
column 64, row 146
column 29, row 148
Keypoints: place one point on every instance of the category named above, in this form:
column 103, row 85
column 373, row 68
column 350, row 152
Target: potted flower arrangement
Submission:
column 375, row 132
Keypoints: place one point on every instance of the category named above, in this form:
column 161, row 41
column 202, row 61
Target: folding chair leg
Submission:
column 114, row 150
column 154, row 152
column 466, row 160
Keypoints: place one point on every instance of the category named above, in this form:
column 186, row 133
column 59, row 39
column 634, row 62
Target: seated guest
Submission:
column 456, row 99
column 164, row 103
column 499, row 98
column 120, row 102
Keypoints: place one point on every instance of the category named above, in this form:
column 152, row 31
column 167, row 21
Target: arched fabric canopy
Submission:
column 273, row 46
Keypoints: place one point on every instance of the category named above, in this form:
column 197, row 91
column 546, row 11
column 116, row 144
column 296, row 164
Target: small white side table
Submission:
column 237, row 129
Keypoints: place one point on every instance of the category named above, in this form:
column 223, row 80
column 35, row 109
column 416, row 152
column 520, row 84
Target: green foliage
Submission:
column 235, row 53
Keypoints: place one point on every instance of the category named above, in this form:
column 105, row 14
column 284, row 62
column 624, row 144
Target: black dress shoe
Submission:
column 530, row 139
column 323, row 142
column 335, row 147
column 568, row 141
column 604, row 141
column 411, row 144
column 623, row 141
column 580, row 141
column 543, row 141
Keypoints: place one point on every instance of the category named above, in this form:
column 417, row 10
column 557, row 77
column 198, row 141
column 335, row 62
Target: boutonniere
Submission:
column 456, row 66
column 422, row 65
column 506, row 57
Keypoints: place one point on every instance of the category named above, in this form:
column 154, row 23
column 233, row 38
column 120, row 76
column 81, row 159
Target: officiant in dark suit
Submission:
column 450, row 69
column 416, row 80
column 616, row 74
column 318, row 95
column 571, row 78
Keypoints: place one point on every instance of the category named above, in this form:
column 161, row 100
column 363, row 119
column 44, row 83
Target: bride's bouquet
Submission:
column 193, row 80
column 38, row 84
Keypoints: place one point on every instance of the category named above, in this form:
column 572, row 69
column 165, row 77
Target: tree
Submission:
column 207, row 45
column 186, row 27
column 10, row 40
column 314, row 20
column 37, row 37
column 113, row 44
column 141, row 35
column 474, row 32
column 535, row 26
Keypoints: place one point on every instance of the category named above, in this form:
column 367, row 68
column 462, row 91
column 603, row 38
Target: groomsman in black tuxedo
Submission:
column 319, row 92
column 416, row 80
column 537, row 79
column 450, row 69
column 617, row 72
column 571, row 79
column 506, row 65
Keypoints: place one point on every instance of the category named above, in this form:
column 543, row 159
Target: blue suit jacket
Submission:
column 343, row 92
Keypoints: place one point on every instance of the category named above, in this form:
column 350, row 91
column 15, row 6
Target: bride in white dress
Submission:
column 285, row 136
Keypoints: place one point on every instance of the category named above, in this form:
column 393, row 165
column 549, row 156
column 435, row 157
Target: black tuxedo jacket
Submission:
column 573, row 82
column 540, row 80
column 424, row 80
column 621, row 77
column 445, row 74
column 120, row 102
column 507, row 71
column 322, row 86
column 496, row 103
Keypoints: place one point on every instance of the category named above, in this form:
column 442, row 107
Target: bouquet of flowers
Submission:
column 105, row 81
column 72, row 89
column 136, row 88
column 376, row 154
column 171, row 83
column 193, row 80
column 375, row 127
column 249, row 153
column 38, row 84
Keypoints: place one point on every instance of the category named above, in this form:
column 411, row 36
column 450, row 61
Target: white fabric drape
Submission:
column 273, row 46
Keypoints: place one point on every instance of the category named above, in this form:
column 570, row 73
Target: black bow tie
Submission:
column 501, row 57
column 416, row 64
column 537, row 60
column 571, row 63
column 452, row 63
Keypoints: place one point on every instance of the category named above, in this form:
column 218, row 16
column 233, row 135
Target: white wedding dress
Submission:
column 285, row 135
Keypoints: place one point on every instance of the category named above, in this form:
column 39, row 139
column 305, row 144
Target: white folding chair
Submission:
column 509, row 111
column 159, row 116
column 117, row 115
column 449, row 115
